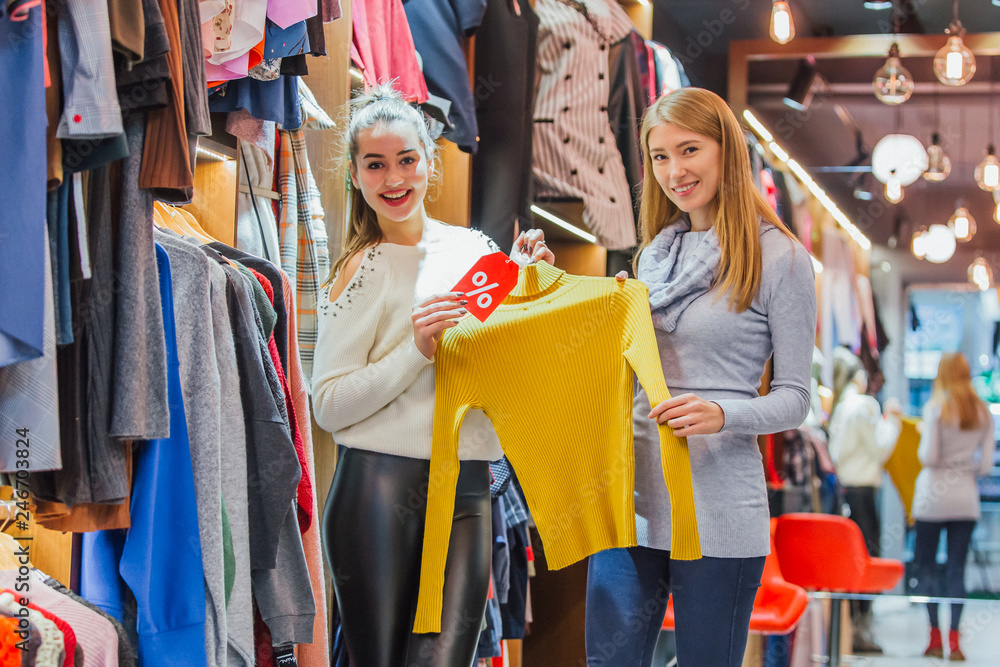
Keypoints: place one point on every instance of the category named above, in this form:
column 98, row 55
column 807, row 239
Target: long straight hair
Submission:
column 953, row 391
column 740, row 206
column 382, row 105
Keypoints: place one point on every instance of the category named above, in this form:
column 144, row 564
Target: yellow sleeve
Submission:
column 454, row 382
column 640, row 349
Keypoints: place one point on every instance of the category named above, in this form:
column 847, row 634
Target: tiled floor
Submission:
column 902, row 629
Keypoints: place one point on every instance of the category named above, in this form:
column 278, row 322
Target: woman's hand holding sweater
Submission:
column 432, row 316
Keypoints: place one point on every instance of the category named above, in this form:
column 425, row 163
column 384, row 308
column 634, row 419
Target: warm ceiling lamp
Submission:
column 939, row 244
column 996, row 200
column 962, row 224
column 893, row 190
column 980, row 274
column 954, row 64
column 987, row 172
column 782, row 27
column 893, row 83
column 938, row 164
column 918, row 244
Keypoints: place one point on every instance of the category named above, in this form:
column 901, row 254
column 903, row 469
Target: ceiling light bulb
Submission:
column 939, row 243
column 919, row 244
column 996, row 199
column 893, row 83
column 954, row 64
column 962, row 224
column 987, row 173
column 938, row 164
column 893, row 190
column 782, row 27
column 980, row 274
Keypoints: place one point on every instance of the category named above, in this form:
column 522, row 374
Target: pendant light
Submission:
column 782, row 27
column 918, row 244
column 893, row 83
column 980, row 274
column 987, row 173
column 938, row 164
column 893, row 189
column 962, row 224
column 996, row 200
column 954, row 64
column 939, row 244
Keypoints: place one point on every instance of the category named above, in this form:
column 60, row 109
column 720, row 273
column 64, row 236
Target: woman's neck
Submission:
column 702, row 219
column 407, row 232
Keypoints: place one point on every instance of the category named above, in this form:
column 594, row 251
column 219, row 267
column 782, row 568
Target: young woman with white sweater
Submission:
column 373, row 389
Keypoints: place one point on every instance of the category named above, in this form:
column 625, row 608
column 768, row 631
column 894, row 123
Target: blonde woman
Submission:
column 956, row 446
column 729, row 288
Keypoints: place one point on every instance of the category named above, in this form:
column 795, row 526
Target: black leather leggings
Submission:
column 373, row 527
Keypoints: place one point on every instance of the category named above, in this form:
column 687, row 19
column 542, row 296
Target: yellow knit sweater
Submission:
column 552, row 369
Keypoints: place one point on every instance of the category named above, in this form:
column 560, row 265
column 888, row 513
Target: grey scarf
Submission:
column 672, row 288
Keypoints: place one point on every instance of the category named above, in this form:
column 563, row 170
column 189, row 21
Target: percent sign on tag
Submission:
column 487, row 284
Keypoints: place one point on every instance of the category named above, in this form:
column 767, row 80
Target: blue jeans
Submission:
column 925, row 557
column 627, row 591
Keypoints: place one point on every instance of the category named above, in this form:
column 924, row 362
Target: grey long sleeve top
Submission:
column 946, row 488
column 720, row 355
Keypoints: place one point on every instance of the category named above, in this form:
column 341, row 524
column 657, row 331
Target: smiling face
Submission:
column 687, row 167
column 391, row 170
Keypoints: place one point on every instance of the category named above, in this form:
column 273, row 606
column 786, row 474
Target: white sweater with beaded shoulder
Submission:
column 372, row 388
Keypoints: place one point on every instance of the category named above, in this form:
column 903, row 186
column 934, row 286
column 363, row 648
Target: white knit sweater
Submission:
column 372, row 388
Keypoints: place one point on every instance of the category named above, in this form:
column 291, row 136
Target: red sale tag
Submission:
column 487, row 284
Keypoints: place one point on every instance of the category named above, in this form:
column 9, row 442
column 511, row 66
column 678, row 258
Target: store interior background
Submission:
column 725, row 47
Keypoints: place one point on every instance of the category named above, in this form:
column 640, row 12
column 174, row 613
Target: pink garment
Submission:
column 769, row 189
column 236, row 68
column 316, row 654
column 284, row 13
column 382, row 46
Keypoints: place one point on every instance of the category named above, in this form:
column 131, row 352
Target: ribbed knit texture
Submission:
column 564, row 420
column 372, row 388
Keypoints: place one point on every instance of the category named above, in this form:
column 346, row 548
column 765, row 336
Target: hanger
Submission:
column 167, row 221
column 195, row 225
column 158, row 219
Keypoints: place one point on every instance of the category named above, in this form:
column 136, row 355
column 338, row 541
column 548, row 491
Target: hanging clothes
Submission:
column 22, row 223
column 160, row 557
column 382, row 47
column 506, row 48
column 574, row 154
column 439, row 29
column 305, row 257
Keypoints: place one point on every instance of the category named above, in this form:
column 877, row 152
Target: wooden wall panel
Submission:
column 51, row 551
column 449, row 199
column 214, row 203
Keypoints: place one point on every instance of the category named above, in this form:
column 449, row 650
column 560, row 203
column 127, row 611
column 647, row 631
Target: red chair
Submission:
column 778, row 606
column 822, row 552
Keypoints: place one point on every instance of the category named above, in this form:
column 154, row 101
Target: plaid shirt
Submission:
column 515, row 511
column 303, row 239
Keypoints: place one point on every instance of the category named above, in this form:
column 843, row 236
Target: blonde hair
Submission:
column 383, row 104
column 954, row 393
column 740, row 204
